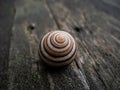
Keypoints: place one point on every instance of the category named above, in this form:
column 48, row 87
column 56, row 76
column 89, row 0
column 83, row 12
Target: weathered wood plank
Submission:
column 113, row 2
column 96, row 66
column 100, row 52
column 25, row 70
column 108, row 8
column 6, row 22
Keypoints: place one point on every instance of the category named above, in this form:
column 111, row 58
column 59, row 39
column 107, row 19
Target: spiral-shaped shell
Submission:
column 57, row 48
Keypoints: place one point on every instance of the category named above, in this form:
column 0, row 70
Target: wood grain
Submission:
column 95, row 37
column 94, row 24
column 26, row 70
column 6, row 21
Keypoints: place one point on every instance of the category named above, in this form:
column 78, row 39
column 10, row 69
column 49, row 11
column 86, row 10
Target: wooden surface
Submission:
column 95, row 24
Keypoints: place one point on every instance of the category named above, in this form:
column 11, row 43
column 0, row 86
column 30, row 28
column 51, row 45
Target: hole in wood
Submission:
column 31, row 26
column 78, row 29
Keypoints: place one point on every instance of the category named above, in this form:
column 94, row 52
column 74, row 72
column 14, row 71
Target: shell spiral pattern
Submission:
column 57, row 48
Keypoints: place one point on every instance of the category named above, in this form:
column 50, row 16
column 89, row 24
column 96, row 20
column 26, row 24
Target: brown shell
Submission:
column 57, row 48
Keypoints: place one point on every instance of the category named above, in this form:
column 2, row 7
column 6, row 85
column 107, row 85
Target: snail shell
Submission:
column 57, row 48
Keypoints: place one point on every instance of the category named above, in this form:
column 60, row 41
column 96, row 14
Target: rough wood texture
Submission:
column 95, row 24
column 6, row 22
